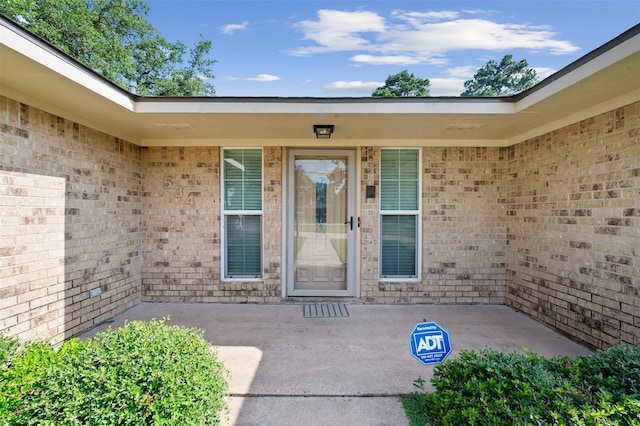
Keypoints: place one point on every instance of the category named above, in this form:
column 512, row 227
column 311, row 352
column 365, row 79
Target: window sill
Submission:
column 400, row 280
column 241, row 280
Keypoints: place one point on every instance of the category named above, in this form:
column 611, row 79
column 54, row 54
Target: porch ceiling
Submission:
column 33, row 72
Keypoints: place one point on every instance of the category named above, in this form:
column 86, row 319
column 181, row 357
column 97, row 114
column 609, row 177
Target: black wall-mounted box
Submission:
column 371, row 191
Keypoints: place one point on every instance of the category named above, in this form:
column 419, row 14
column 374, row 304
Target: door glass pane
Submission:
column 320, row 234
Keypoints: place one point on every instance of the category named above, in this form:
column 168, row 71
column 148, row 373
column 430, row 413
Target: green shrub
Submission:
column 492, row 388
column 21, row 369
column 8, row 348
column 144, row 373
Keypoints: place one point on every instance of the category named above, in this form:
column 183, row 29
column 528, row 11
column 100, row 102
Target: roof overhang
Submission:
column 36, row 73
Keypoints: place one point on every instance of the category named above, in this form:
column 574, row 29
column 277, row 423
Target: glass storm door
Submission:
column 321, row 223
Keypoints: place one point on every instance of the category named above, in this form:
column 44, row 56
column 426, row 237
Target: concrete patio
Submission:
column 289, row 370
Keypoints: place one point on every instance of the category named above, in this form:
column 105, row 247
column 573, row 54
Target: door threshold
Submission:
column 298, row 300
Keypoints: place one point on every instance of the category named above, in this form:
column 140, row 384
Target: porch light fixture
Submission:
column 323, row 131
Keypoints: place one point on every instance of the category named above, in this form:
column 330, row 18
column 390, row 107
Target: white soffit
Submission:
column 34, row 72
column 626, row 49
column 71, row 69
column 324, row 106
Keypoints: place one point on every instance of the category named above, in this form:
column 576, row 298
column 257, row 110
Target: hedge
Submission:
column 492, row 388
column 144, row 373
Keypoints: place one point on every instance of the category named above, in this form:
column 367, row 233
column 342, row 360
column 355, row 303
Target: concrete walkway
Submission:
column 290, row 370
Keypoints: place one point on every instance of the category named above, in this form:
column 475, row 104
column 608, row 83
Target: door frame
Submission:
column 288, row 213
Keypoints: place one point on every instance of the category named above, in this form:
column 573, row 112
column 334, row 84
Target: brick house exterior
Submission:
column 546, row 221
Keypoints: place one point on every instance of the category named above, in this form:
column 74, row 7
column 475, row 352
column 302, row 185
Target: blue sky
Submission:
column 348, row 48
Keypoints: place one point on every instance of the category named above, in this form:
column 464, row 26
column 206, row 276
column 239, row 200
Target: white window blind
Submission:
column 242, row 213
column 399, row 212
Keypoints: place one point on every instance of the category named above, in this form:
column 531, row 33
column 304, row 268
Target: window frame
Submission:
column 414, row 213
column 224, row 213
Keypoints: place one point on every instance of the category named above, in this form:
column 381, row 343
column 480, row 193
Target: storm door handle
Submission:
column 350, row 222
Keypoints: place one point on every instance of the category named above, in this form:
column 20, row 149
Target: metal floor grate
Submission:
column 325, row 310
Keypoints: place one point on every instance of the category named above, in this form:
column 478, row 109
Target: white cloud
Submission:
column 364, row 87
column 21, row 20
column 454, row 84
column 385, row 60
column 420, row 37
column 479, row 12
column 232, row 28
column 438, row 87
column 417, row 18
column 446, row 86
column 467, row 34
column 263, row 78
column 467, row 72
column 259, row 78
column 544, row 72
column 336, row 30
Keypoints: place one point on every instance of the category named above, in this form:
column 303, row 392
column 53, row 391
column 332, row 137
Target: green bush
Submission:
column 21, row 370
column 493, row 388
column 144, row 373
column 8, row 348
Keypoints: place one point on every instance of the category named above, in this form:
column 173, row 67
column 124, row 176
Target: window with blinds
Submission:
column 399, row 213
column 242, row 213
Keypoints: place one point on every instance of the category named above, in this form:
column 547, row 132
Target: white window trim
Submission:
column 224, row 213
column 416, row 213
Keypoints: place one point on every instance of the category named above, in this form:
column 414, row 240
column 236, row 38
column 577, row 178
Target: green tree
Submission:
column 498, row 79
column 114, row 38
column 403, row 84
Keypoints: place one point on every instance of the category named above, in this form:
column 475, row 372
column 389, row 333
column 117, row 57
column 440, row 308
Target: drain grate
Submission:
column 325, row 310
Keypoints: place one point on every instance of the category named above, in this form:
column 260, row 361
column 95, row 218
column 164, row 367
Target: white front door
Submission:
column 321, row 223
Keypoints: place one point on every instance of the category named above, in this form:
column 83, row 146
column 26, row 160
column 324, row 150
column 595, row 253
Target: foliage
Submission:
column 403, row 84
column 492, row 388
column 498, row 79
column 114, row 38
column 143, row 373
column 8, row 348
column 19, row 374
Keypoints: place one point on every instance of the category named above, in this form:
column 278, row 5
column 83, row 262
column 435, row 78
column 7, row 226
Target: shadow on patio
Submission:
column 290, row 370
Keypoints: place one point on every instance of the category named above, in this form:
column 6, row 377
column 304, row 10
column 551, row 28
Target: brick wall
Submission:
column 574, row 228
column 182, row 226
column 32, row 255
column 98, row 242
column 464, row 225
column 463, row 230
column 550, row 226
column 369, row 225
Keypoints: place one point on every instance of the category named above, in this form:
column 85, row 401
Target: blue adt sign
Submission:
column 430, row 343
